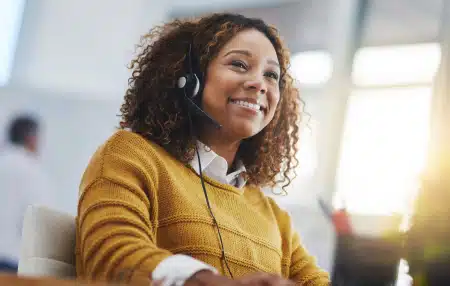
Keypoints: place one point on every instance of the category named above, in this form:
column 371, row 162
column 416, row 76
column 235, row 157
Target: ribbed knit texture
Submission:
column 139, row 205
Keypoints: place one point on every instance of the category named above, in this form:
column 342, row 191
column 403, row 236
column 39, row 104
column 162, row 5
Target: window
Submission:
column 384, row 148
column 398, row 65
column 386, row 128
column 10, row 21
column 312, row 68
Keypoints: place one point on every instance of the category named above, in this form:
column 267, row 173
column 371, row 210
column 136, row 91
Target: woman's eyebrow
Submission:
column 243, row 52
column 249, row 54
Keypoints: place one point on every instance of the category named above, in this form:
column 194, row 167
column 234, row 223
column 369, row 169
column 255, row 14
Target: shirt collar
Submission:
column 216, row 167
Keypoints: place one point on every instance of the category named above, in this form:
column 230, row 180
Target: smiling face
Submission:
column 242, row 85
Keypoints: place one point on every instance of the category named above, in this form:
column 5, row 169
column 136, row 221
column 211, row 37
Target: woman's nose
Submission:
column 256, row 84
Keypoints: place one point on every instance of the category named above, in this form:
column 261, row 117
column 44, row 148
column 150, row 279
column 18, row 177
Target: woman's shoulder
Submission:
column 124, row 152
column 267, row 196
column 129, row 145
column 267, row 204
column 123, row 140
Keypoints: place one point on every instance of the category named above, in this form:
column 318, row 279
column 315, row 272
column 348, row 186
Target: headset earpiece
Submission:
column 190, row 83
column 196, row 87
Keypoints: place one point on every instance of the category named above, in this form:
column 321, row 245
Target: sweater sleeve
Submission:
column 116, row 236
column 303, row 269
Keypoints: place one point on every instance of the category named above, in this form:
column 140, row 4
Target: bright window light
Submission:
column 312, row 68
column 10, row 21
column 383, row 149
column 396, row 65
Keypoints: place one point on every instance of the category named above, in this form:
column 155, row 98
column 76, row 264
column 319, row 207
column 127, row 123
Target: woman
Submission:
column 209, row 118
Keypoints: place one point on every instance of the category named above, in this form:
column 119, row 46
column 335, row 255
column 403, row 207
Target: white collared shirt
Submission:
column 176, row 269
column 216, row 167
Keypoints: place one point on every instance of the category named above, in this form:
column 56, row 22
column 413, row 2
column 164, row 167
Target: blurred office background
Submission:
column 366, row 70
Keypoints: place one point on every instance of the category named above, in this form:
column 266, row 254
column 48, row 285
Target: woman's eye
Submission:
column 239, row 64
column 273, row 75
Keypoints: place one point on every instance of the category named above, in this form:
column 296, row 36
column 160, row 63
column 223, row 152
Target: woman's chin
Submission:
column 245, row 131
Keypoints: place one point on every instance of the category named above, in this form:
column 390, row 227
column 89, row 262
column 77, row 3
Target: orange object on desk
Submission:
column 341, row 221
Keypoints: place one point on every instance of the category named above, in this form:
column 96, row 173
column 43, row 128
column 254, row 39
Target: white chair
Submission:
column 48, row 243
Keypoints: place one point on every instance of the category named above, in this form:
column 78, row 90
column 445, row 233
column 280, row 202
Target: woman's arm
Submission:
column 118, row 211
column 116, row 237
column 303, row 269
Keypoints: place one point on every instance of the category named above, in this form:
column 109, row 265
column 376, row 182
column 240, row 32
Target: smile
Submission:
column 253, row 106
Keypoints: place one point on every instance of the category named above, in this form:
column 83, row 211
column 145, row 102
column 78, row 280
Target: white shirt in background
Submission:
column 22, row 183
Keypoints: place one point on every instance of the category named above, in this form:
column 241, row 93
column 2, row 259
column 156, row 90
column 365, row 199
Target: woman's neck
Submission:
column 222, row 146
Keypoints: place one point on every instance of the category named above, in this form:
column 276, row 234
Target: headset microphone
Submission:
column 191, row 85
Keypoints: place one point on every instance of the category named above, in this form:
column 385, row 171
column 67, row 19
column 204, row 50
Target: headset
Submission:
column 191, row 84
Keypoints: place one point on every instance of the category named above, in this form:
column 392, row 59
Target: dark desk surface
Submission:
column 14, row 280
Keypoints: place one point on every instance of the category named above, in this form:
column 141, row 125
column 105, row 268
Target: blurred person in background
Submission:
column 22, row 183
column 210, row 117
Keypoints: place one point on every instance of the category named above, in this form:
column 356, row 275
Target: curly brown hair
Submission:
column 155, row 109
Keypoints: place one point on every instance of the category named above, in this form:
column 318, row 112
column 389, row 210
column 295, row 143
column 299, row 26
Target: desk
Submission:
column 13, row 280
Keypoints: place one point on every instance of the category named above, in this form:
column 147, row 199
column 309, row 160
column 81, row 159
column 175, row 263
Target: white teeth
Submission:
column 248, row 104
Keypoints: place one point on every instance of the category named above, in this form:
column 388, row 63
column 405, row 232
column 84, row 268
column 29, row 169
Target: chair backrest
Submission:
column 48, row 243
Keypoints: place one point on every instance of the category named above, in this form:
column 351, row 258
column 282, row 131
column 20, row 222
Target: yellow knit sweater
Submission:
column 139, row 205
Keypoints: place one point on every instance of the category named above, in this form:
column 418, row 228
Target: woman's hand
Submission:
column 209, row 278
column 264, row 279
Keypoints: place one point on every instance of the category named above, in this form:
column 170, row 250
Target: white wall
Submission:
column 72, row 130
column 70, row 70
column 81, row 46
